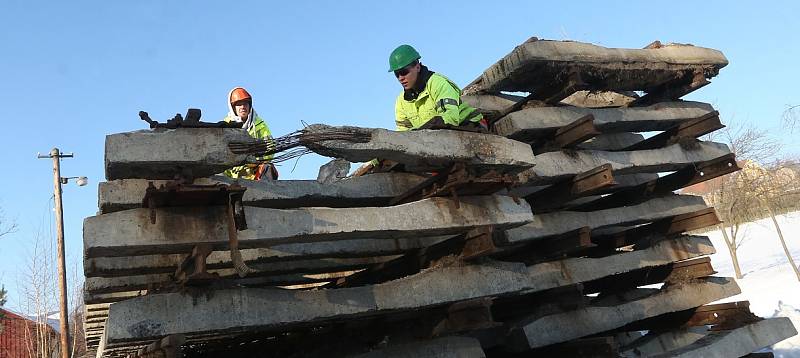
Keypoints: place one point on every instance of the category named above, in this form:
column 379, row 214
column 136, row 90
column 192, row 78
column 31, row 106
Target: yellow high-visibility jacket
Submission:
column 433, row 95
column 258, row 129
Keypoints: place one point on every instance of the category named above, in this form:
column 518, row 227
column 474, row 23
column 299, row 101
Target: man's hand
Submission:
column 435, row 123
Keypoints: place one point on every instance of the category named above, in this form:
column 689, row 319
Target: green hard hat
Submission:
column 402, row 56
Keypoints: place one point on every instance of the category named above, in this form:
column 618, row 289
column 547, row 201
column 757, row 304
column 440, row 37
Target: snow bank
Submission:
column 769, row 282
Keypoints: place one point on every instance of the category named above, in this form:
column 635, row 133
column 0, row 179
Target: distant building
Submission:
column 19, row 338
column 794, row 166
column 783, row 181
column 708, row 186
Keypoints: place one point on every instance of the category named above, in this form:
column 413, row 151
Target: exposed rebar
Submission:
column 296, row 143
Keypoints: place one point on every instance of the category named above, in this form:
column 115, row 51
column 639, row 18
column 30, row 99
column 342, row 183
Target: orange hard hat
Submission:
column 240, row 94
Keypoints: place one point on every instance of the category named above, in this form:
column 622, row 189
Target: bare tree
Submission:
column 791, row 117
column 6, row 226
column 732, row 202
column 5, row 229
column 39, row 297
column 78, row 341
column 736, row 196
column 763, row 187
column 773, row 187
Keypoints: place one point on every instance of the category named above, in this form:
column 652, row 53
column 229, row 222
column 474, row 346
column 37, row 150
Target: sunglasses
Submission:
column 404, row 71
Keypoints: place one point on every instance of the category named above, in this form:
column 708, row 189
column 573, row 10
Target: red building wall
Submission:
column 17, row 338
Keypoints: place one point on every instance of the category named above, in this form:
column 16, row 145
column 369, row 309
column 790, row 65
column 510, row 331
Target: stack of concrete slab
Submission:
column 584, row 251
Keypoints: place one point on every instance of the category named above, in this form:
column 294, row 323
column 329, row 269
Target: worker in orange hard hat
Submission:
column 240, row 109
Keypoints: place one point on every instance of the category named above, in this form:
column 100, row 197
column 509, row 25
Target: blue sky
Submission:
column 73, row 72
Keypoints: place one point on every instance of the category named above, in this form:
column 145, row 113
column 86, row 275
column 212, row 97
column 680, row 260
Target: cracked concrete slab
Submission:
column 368, row 190
column 494, row 104
column 561, row 327
column 165, row 153
column 554, row 166
column 421, row 150
column 287, row 256
column 179, row 229
column 536, row 63
column 541, row 122
column 105, row 285
column 147, row 275
column 737, row 342
column 560, row 222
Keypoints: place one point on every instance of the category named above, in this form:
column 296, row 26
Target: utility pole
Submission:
column 62, row 270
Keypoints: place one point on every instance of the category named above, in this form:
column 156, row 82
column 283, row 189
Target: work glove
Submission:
column 467, row 126
column 435, row 123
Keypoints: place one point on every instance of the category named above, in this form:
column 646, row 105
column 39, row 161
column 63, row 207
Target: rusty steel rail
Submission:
column 691, row 128
column 584, row 184
column 458, row 180
column 569, row 136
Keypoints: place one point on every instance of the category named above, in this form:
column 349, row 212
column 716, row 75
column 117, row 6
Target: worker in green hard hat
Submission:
column 429, row 100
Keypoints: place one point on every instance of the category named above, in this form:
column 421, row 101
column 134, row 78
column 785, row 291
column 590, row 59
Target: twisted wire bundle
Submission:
column 296, row 144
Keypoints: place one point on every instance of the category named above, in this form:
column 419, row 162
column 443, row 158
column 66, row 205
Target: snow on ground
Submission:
column 769, row 282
